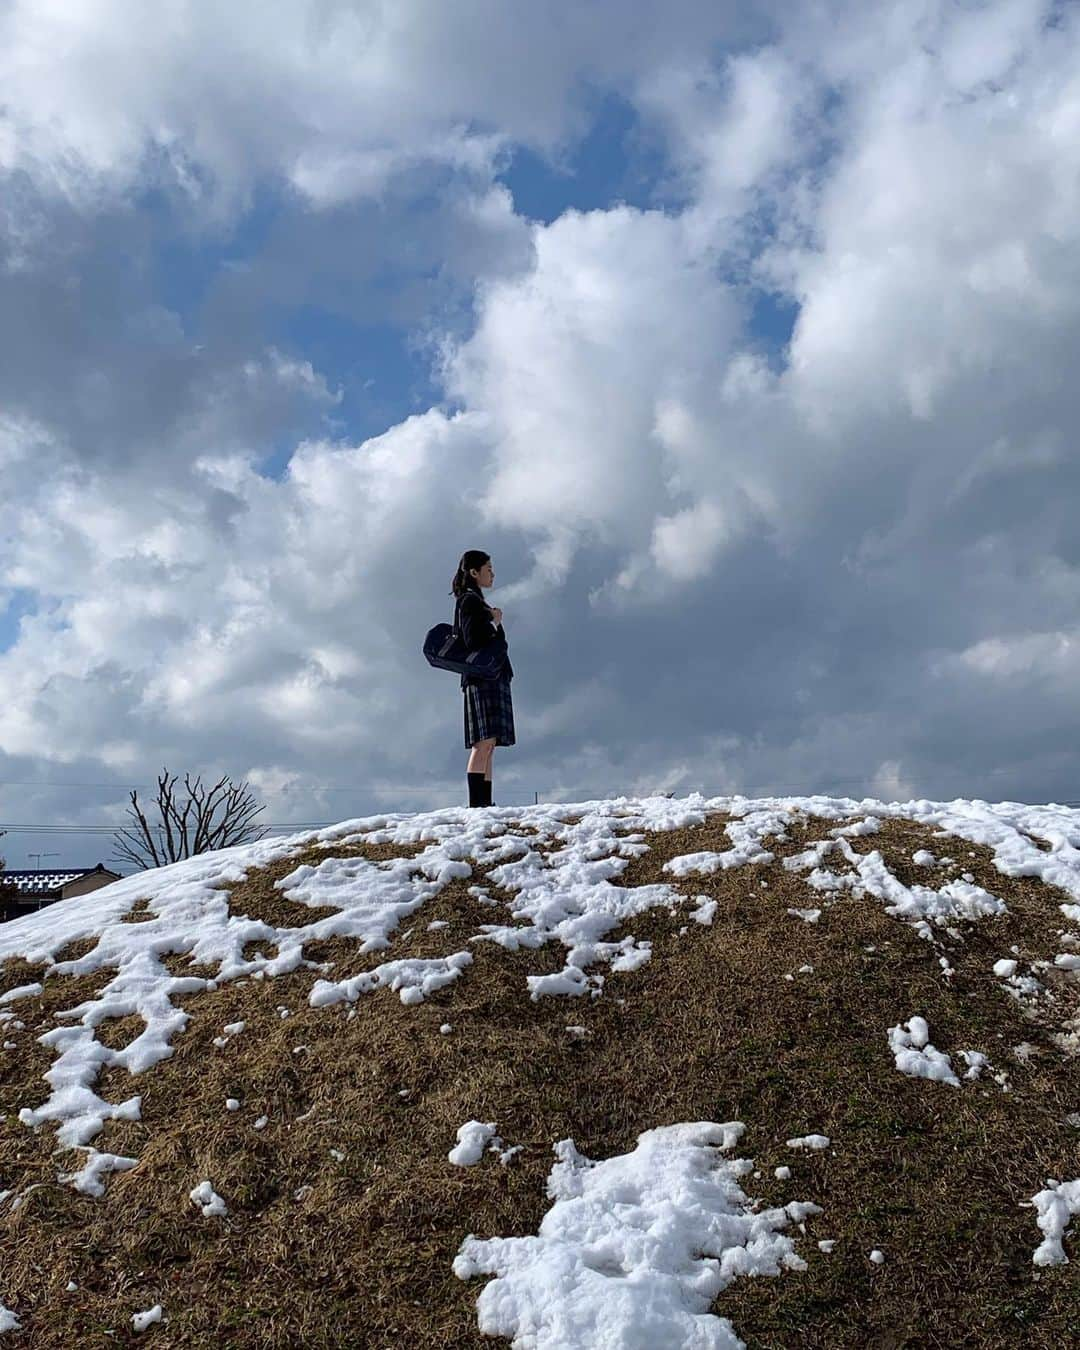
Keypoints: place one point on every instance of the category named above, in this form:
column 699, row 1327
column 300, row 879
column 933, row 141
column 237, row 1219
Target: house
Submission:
column 25, row 891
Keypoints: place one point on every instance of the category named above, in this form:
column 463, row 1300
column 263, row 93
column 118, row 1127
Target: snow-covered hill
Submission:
column 615, row 1055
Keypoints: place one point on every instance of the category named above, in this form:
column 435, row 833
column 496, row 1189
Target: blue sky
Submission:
column 372, row 361
column 16, row 606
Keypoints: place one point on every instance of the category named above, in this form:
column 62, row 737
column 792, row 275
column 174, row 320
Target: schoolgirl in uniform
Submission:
column 489, row 708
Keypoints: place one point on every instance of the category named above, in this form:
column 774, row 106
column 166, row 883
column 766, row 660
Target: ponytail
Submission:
column 471, row 560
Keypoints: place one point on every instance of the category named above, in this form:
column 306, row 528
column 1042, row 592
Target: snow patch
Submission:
column 473, row 1138
column 23, row 991
column 916, row 1057
column 141, row 1320
column 1055, row 1208
column 705, row 912
column 208, row 1200
column 634, row 1249
column 412, row 979
column 89, row 1180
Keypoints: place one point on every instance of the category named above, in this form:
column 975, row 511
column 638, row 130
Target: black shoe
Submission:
column 486, row 793
column 476, row 789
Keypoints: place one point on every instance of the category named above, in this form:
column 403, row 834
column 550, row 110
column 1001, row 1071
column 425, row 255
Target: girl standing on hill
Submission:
column 489, row 709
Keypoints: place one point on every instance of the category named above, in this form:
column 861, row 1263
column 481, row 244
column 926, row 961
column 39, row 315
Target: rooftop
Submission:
column 43, row 880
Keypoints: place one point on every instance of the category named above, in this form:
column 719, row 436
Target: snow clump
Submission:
column 1056, row 1206
column 473, row 1137
column 915, row 1055
column 816, row 1141
column 208, row 1200
column 141, row 1320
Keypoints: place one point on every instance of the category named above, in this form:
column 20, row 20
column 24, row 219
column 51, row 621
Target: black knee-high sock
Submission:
column 476, row 789
column 487, row 792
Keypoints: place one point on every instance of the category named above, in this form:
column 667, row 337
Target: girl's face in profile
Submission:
column 485, row 576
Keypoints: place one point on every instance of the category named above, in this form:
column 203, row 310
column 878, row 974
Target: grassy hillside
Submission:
column 343, row 1213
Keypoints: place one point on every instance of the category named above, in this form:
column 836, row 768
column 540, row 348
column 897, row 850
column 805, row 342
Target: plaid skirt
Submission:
column 489, row 711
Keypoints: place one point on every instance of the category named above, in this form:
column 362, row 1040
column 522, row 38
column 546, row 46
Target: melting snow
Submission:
column 1056, row 1206
column 413, row 979
column 23, row 991
column 705, row 912
column 634, row 1249
column 141, row 1320
column 208, row 1200
column 915, row 1055
column 90, row 1179
column 473, row 1138
column 977, row 1063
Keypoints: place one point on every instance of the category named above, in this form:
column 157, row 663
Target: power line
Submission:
column 13, row 827
column 112, row 829
column 150, row 787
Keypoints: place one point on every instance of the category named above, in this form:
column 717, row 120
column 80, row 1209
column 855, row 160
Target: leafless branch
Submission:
column 183, row 824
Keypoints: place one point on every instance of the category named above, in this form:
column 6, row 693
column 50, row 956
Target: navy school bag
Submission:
column 445, row 649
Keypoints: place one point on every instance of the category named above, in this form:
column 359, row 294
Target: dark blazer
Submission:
column 475, row 625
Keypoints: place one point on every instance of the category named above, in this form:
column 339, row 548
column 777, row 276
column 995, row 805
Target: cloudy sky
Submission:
column 744, row 337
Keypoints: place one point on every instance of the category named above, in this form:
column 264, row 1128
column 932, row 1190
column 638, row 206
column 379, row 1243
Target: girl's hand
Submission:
column 496, row 615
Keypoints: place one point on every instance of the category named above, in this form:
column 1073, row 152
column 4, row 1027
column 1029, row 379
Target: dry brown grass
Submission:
column 708, row 1030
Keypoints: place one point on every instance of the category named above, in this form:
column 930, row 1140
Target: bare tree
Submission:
column 193, row 820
